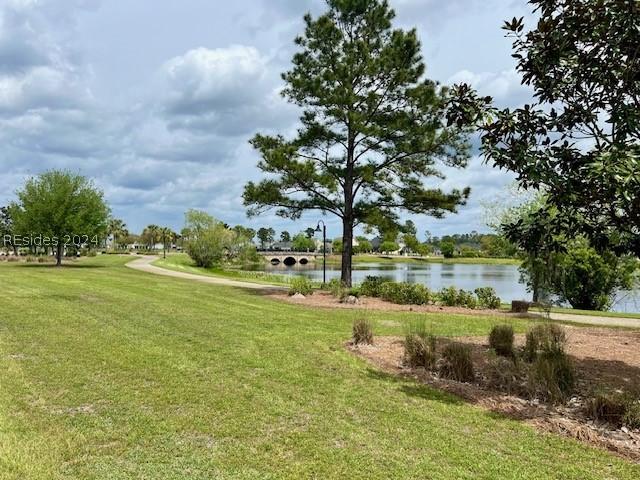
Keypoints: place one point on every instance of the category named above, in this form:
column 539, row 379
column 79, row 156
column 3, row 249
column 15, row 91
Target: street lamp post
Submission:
column 324, row 250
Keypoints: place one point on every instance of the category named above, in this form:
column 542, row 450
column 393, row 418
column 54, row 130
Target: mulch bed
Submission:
column 603, row 358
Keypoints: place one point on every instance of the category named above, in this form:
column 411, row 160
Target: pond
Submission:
column 505, row 279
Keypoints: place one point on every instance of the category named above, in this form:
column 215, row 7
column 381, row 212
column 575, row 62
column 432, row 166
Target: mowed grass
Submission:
column 109, row 373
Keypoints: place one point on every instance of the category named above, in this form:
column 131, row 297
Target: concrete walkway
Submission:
column 597, row 320
column 144, row 264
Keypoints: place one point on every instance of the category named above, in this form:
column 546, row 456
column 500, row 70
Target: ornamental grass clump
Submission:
column 501, row 340
column 362, row 332
column 419, row 346
column 456, row 363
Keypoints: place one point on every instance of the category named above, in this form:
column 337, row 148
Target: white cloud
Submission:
column 203, row 80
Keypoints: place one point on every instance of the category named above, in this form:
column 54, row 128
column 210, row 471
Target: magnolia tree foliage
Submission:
column 372, row 128
column 580, row 140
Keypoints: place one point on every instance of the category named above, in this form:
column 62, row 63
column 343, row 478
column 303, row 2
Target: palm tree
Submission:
column 152, row 233
column 117, row 229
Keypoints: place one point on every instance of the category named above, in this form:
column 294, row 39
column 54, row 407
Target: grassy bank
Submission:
column 182, row 263
column 106, row 372
column 335, row 259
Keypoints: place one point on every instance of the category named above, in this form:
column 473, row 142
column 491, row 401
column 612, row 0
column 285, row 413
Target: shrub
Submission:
column 362, row 332
column 547, row 337
column 371, row 286
column 501, row 340
column 419, row 346
column 448, row 296
column 487, row 298
column 405, row 293
column 301, row 285
column 504, row 375
column 552, row 376
column 632, row 416
column 467, row 299
column 452, row 297
column 336, row 288
column 456, row 363
column 608, row 407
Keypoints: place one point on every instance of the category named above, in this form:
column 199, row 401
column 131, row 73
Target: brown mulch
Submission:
column 592, row 351
column 326, row 300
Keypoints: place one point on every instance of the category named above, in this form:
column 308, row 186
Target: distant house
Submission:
column 281, row 246
column 328, row 245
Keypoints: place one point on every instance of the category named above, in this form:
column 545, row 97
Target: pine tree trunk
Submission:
column 59, row 254
column 347, row 251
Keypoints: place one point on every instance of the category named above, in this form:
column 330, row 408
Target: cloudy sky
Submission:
column 155, row 100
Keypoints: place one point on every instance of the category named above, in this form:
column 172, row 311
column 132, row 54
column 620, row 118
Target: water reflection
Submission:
column 505, row 279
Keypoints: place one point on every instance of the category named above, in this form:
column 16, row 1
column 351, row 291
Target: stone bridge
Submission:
column 289, row 258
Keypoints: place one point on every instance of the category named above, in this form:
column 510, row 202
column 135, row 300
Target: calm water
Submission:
column 505, row 279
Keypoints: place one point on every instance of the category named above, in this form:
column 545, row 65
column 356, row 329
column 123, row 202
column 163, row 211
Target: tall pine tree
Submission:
column 372, row 129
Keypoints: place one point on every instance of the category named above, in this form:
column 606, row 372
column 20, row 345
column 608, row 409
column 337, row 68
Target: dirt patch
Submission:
column 326, row 300
column 592, row 351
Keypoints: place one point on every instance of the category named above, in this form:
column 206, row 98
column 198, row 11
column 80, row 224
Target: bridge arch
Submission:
column 290, row 261
column 303, row 261
column 275, row 261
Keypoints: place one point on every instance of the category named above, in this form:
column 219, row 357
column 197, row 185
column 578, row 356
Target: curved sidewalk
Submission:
column 144, row 264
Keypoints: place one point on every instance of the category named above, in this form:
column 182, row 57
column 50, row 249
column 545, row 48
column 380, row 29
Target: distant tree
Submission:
column 410, row 228
column 372, row 130
column 7, row 229
column 61, row 205
column 448, row 248
column 209, row 239
column 266, row 236
column 336, row 245
column 151, row 235
column 245, row 232
column 411, row 242
column 389, row 247
column 364, row 245
column 579, row 141
column 117, row 229
column 302, row 243
column 285, row 236
column 310, row 232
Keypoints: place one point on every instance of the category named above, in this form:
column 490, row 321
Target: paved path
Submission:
column 602, row 321
column 143, row 264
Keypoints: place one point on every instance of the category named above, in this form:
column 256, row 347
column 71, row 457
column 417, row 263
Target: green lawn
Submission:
column 180, row 262
column 109, row 373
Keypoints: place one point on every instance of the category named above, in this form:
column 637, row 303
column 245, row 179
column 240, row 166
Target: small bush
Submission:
column 632, row 416
column 547, row 337
column 452, row 297
column 448, row 296
column 301, row 285
column 419, row 346
column 456, row 363
column 371, row 286
column 336, row 288
column 501, row 340
column 487, row 298
column 608, row 407
column 362, row 332
column 467, row 299
column 552, row 376
column 405, row 293
column 504, row 375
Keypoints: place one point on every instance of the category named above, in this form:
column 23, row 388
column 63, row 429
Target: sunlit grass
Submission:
column 107, row 372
